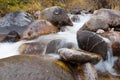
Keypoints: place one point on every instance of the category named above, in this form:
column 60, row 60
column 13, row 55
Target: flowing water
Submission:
column 11, row 49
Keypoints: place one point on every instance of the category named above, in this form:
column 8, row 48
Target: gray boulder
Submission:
column 94, row 23
column 23, row 67
column 91, row 42
column 109, row 16
column 15, row 21
column 56, row 15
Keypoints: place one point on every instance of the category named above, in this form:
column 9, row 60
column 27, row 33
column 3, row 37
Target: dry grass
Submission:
column 33, row 5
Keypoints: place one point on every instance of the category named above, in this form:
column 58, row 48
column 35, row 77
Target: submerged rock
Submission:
column 56, row 15
column 91, row 42
column 34, row 48
column 12, row 36
column 117, row 66
column 90, row 72
column 54, row 45
column 75, row 18
column 15, row 21
column 23, row 67
column 78, row 56
column 38, row 28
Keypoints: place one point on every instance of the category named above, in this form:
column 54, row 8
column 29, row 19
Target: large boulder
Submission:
column 78, row 56
column 109, row 16
column 38, row 28
column 94, row 23
column 54, row 45
column 15, row 21
column 91, row 42
column 23, row 67
column 56, row 15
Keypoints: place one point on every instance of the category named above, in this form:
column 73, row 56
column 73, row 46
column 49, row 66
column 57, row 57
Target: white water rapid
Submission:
column 11, row 49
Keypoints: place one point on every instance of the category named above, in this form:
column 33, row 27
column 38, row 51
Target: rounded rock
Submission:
column 91, row 42
column 38, row 28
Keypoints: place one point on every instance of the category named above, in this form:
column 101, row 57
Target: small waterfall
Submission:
column 11, row 49
column 107, row 65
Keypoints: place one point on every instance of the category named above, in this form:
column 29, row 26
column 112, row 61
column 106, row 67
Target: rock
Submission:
column 15, row 21
column 109, row 16
column 75, row 18
column 114, row 37
column 91, row 42
column 2, row 36
column 12, row 36
column 117, row 66
column 116, row 48
column 100, row 31
column 90, row 72
column 94, row 23
column 78, row 56
column 56, row 15
column 85, row 11
column 38, row 28
column 54, row 45
column 23, row 67
column 75, row 11
column 34, row 48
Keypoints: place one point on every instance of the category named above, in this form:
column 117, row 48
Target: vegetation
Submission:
column 34, row 5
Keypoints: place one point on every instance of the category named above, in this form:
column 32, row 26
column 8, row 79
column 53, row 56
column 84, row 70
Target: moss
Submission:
column 33, row 5
column 63, row 65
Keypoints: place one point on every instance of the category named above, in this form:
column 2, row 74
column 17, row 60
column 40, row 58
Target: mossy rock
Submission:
column 24, row 67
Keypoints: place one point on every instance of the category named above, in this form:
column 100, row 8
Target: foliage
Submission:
column 34, row 5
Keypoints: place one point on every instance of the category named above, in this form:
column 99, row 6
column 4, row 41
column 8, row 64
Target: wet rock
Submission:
column 85, row 11
column 117, row 66
column 75, row 18
column 56, row 15
column 91, row 42
column 54, row 45
column 75, row 11
column 2, row 36
column 23, row 67
column 94, row 24
column 114, row 37
column 78, row 56
column 90, row 72
column 15, row 21
column 38, row 28
column 12, row 36
column 116, row 48
column 34, row 48
column 109, row 16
